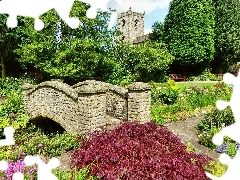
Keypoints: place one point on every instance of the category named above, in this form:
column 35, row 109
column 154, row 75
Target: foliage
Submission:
column 190, row 147
column 167, row 95
column 216, row 118
column 231, row 151
column 227, row 32
column 154, row 61
column 206, row 75
column 212, row 124
column 229, row 147
column 30, row 172
column 9, row 40
column 216, row 168
column 157, row 32
column 172, row 85
column 139, row 151
column 31, row 141
column 190, row 101
column 48, row 145
column 234, row 69
column 12, row 111
column 189, row 33
column 164, row 96
column 149, row 61
column 75, row 53
column 205, row 137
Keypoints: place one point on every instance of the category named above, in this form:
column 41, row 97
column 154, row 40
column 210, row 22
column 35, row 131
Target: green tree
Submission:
column 227, row 34
column 189, row 32
column 9, row 40
column 149, row 61
column 157, row 32
column 78, row 51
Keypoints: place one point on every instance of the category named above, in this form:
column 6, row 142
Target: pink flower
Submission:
column 40, row 145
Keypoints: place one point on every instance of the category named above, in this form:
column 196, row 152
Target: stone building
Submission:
column 131, row 25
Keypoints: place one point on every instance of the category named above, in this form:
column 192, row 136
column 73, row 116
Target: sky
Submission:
column 155, row 10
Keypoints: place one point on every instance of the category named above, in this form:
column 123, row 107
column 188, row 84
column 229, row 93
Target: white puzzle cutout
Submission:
column 35, row 8
column 100, row 4
column 9, row 133
column 44, row 170
column 8, row 141
column 231, row 131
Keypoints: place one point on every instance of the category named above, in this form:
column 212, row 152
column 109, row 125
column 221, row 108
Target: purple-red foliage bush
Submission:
column 139, row 151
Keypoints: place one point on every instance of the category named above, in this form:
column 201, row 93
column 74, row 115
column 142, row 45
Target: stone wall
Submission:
column 88, row 105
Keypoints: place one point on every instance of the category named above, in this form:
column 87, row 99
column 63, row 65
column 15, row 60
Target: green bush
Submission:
column 205, row 138
column 83, row 174
column 179, row 104
column 234, row 69
column 206, row 75
column 216, row 119
column 47, row 145
column 32, row 141
column 166, row 95
column 232, row 149
column 12, row 112
column 213, row 123
column 216, row 168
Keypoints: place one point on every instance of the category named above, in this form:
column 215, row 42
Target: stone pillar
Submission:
column 92, row 101
column 139, row 102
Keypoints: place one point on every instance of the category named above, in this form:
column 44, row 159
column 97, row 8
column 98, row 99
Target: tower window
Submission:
column 136, row 22
column 123, row 22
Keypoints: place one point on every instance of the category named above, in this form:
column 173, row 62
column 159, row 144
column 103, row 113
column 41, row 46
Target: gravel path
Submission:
column 186, row 131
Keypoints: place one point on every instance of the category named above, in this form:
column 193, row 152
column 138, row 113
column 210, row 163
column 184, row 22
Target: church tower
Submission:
column 131, row 24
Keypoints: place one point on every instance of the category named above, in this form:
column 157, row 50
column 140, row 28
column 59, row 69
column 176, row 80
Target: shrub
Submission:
column 166, row 95
column 36, row 142
column 139, row 151
column 212, row 124
column 217, row 119
column 216, row 168
column 33, row 141
column 206, row 75
column 229, row 147
column 12, row 112
column 234, row 69
column 185, row 103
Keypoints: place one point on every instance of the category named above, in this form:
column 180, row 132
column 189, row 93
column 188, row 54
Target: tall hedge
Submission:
column 189, row 31
column 227, row 34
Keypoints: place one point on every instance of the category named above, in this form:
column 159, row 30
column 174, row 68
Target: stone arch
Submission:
column 48, row 125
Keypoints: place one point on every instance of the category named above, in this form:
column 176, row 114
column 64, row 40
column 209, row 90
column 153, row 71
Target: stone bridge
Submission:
column 89, row 105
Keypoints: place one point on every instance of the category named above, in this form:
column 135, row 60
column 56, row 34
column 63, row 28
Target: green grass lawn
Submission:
column 187, row 84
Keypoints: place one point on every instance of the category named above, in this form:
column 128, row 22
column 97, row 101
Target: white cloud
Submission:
column 140, row 5
column 147, row 31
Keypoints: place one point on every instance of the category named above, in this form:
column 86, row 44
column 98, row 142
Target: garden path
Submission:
column 186, row 131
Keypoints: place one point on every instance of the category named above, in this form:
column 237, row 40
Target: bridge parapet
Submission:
column 88, row 105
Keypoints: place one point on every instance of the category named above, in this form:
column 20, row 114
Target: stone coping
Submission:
column 68, row 90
